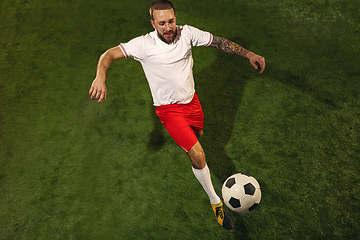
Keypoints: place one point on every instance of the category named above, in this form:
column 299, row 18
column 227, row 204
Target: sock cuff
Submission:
column 205, row 168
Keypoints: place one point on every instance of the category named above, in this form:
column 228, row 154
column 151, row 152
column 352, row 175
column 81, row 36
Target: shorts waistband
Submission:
column 195, row 98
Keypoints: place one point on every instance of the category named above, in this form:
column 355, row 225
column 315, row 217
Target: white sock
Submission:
column 203, row 176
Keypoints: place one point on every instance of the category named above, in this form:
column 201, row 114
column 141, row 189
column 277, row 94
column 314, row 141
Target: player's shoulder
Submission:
column 149, row 38
column 192, row 31
column 187, row 30
column 141, row 42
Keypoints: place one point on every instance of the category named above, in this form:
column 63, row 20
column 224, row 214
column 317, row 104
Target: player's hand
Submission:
column 98, row 89
column 256, row 60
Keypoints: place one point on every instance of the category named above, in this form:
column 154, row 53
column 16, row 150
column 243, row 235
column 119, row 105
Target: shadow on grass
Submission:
column 157, row 138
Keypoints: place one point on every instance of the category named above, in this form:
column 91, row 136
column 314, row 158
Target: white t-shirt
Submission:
column 168, row 67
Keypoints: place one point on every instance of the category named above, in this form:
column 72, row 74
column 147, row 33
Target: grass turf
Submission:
column 71, row 168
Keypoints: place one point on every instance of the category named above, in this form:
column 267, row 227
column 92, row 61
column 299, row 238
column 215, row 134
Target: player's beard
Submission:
column 168, row 40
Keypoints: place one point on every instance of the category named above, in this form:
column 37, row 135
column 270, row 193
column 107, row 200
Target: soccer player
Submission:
column 166, row 58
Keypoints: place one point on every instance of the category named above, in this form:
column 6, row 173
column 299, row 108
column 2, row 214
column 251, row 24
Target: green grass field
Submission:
column 71, row 168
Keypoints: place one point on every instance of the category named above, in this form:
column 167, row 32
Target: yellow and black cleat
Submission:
column 222, row 217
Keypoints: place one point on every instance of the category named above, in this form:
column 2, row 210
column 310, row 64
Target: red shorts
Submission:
column 181, row 120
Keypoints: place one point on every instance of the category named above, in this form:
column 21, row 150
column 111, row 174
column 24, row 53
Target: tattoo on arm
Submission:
column 228, row 46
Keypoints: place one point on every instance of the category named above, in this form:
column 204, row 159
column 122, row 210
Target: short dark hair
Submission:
column 160, row 5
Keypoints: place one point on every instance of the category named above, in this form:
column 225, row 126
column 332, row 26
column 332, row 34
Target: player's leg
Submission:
column 176, row 123
column 197, row 156
column 202, row 173
column 200, row 168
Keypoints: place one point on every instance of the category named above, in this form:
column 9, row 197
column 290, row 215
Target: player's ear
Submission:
column 153, row 23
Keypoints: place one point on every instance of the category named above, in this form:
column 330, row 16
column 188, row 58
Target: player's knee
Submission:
column 198, row 159
column 197, row 156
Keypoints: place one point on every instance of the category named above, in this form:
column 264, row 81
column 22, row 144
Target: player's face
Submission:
column 165, row 24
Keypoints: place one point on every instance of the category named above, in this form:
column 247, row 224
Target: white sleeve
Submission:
column 198, row 37
column 134, row 48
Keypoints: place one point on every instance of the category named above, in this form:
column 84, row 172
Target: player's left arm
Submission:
column 228, row 46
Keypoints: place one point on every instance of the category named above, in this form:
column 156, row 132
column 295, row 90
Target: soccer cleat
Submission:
column 222, row 217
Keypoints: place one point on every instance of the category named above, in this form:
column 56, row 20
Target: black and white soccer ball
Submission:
column 241, row 193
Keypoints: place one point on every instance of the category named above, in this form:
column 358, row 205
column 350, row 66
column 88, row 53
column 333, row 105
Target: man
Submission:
column 165, row 55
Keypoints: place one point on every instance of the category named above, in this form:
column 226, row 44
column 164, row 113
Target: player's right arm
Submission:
column 98, row 88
